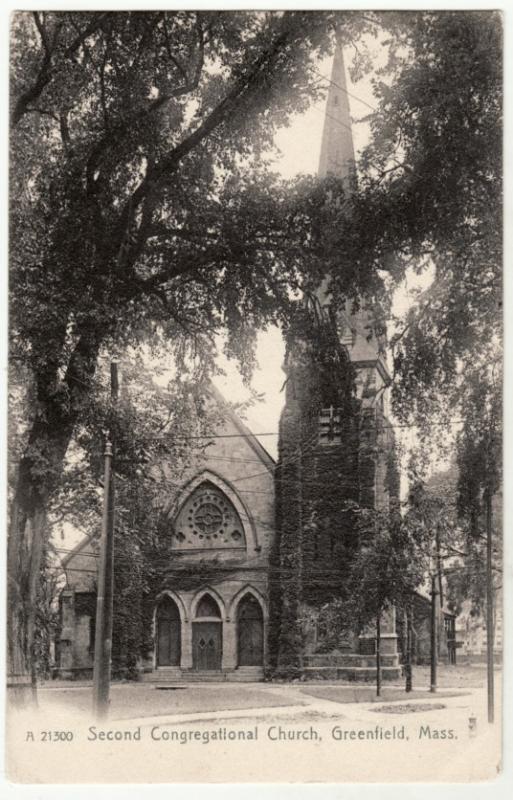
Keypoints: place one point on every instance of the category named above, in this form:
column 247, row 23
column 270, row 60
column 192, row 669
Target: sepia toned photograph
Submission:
column 255, row 397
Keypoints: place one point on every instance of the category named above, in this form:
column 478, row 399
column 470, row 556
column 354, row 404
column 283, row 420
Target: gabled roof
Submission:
column 425, row 597
column 259, row 450
column 88, row 537
column 250, row 437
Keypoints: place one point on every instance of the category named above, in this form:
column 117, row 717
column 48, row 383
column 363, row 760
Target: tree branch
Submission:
column 169, row 163
column 45, row 72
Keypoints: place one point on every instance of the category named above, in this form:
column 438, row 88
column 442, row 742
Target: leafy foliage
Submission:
column 47, row 618
column 433, row 177
column 390, row 563
column 480, row 442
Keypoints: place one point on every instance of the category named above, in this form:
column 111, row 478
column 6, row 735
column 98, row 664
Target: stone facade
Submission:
column 224, row 513
column 336, row 448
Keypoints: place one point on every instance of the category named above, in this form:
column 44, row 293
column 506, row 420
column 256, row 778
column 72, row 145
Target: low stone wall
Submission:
column 351, row 674
column 347, row 660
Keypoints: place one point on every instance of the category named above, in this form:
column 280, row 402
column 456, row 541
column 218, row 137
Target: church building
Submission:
column 268, row 543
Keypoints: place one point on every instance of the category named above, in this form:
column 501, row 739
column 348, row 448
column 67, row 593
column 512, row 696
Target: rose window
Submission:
column 207, row 520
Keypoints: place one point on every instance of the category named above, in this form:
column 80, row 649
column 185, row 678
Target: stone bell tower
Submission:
column 335, row 449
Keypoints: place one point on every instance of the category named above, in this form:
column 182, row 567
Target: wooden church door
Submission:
column 250, row 627
column 168, row 634
column 206, row 645
column 207, row 633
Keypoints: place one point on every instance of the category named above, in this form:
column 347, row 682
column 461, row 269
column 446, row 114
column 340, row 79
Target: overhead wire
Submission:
column 344, row 89
column 290, row 461
column 446, row 424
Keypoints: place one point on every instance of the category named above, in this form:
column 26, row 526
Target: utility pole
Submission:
column 105, row 596
column 489, row 606
column 378, row 653
column 434, row 632
column 409, row 643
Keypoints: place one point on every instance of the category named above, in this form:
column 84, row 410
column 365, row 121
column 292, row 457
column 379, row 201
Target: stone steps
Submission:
column 177, row 675
column 198, row 676
column 357, row 673
column 246, row 674
column 164, row 675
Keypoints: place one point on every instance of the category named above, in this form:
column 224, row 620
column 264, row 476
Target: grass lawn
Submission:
column 367, row 694
column 450, row 677
column 453, row 676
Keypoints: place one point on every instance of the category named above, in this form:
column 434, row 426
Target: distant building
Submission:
column 449, row 644
column 471, row 630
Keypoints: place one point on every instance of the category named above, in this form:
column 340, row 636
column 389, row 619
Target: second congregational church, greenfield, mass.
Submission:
column 258, row 547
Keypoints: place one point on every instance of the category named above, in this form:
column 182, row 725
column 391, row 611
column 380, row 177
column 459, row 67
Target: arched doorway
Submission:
column 168, row 633
column 250, row 632
column 207, row 635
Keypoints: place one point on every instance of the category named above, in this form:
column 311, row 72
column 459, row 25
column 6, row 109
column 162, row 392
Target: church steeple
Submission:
column 335, row 446
column 355, row 328
column 337, row 149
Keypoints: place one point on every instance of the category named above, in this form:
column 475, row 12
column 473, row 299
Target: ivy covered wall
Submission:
column 334, row 454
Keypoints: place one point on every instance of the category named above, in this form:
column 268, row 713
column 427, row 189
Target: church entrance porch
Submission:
column 213, row 634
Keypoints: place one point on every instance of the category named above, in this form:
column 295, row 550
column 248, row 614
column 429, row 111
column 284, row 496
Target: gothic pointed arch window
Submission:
column 250, row 632
column 208, row 520
column 168, row 633
column 208, row 607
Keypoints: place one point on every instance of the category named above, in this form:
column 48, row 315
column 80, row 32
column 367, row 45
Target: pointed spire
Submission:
column 337, row 158
column 337, row 150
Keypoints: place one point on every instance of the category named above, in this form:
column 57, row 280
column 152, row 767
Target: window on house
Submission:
column 92, row 634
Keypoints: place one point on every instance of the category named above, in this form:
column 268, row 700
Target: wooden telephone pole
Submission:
column 489, row 608
column 105, row 590
column 434, row 632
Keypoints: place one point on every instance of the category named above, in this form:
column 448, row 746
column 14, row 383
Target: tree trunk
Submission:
column 38, row 476
column 378, row 654
column 27, row 535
